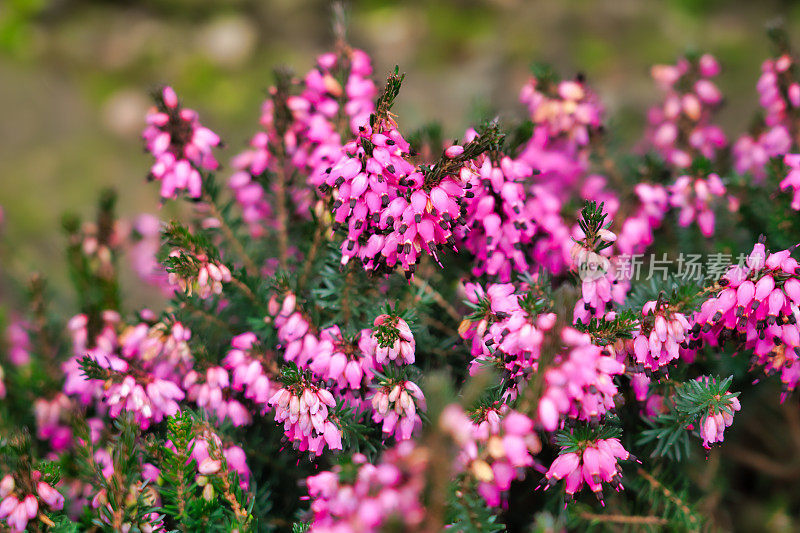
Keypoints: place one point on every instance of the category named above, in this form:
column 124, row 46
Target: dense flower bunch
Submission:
column 295, row 376
column 248, row 374
column 568, row 110
column 394, row 211
column 504, row 334
column 661, row 334
column 757, row 303
column 141, row 368
column 693, row 196
column 499, row 218
column 591, row 463
column 580, row 384
column 181, row 145
column 303, row 408
column 377, row 495
column 395, row 405
column 494, row 449
column 392, row 339
column 19, row 509
column 681, row 126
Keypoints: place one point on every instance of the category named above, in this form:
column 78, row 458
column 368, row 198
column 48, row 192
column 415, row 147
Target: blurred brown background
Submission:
column 74, row 76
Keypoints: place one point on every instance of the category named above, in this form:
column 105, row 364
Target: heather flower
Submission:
column 693, row 196
column 757, row 304
column 395, row 406
column 662, row 332
column 19, row 342
column 681, row 127
column 592, row 463
column 505, row 335
column 213, row 395
column 752, row 154
column 149, row 401
column 50, row 496
column 143, row 251
column 392, row 340
column 495, row 448
column 498, row 220
column 18, row 512
column 374, row 496
column 198, row 274
column 309, row 136
column 637, row 230
column 180, row 144
column 566, row 110
column 51, row 418
column 304, row 410
column 248, row 374
column 580, row 383
column 775, row 82
column 792, row 179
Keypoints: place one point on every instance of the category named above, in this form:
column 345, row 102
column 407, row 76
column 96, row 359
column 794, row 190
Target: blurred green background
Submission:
column 74, row 76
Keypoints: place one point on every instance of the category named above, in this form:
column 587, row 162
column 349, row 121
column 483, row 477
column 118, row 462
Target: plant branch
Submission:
column 437, row 297
column 249, row 264
column 625, row 519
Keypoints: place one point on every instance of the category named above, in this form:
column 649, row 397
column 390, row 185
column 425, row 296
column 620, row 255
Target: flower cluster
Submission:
column 327, row 354
column 590, row 462
column 211, row 393
column 499, row 218
column 366, row 497
column 137, row 371
column 580, row 384
column 197, row 273
column 662, row 332
column 180, row 144
column 303, row 408
column 495, row 449
column 681, row 126
column 637, row 230
column 247, row 370
column 757, row 303
column 778, row 92
column 392, row 340
column 752, row 153
column 567, row 110
column 395, row 404
column 693, row 196
column 17, row 509
column 393, row 211
column 306, row 127
column 505, row 334
column 713, row 423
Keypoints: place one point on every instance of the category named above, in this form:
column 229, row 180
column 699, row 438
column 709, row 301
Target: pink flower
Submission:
column 391, row 489
column 180, row 144
column 303, row 409
column 757, row 305
column 392, row 340
column 662, row 332
column 50, row 496
column 594, row 464
column 17, row 513
column 395, row 405
column 681, row 127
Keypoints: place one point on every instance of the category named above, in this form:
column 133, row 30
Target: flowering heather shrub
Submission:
column 372, row 329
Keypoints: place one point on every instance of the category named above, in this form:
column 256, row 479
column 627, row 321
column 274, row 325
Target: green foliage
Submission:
column 689, row 400
column 591, row 221
column 467, row 510
column 604, row 331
